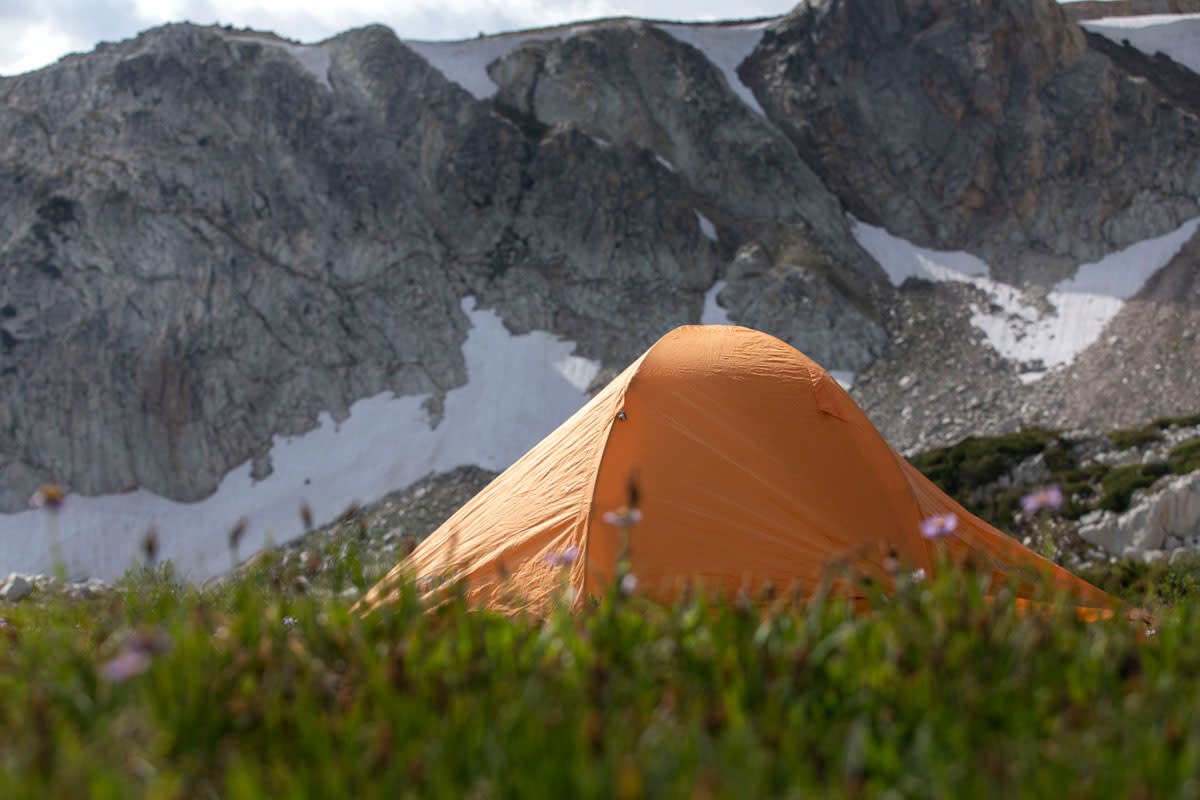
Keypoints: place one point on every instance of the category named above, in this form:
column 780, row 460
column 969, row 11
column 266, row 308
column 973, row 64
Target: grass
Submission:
column 1158, row 584
column 254, row 689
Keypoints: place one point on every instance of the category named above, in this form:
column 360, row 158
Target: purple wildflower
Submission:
column 125, row 666
column 1046, row 497
column 289, row 622
column 134, row 658
column 564, row 558
column 623, row 517
column 939, row 525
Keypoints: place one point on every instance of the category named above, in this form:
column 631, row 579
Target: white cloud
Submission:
column 30, row 48
column 38, row 32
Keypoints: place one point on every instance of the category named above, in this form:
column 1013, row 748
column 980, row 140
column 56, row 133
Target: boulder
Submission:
column 1170, row 512
column 15, row 587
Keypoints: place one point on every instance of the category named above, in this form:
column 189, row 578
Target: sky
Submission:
column 39, row 32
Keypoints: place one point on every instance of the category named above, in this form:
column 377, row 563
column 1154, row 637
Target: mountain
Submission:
column 241, row 273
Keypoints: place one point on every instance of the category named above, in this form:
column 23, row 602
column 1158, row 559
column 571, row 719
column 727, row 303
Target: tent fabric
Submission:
column 752, row 466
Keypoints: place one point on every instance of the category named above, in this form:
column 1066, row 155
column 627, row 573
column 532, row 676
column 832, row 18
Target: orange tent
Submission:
column 752, row 465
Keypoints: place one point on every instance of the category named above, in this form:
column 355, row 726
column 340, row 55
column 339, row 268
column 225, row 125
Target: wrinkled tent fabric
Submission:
column 753, row 467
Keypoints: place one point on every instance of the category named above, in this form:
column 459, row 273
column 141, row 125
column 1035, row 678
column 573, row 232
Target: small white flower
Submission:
column 629, row 583
column 918, row 575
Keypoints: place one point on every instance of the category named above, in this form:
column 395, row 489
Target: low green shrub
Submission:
column 1121, row 482
column 1134, row 437
column 1081, row 488
column 1185, row 457
column 1188, row 421
column 1059, row 459
column 978, row 461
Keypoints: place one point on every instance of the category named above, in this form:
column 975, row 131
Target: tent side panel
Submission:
column 744, row 477
column 500, row 541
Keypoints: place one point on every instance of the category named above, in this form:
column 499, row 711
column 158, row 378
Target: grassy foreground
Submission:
column 162, row 690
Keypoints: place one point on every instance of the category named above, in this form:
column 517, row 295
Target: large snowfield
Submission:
column 1082, row 305
column 521, row 387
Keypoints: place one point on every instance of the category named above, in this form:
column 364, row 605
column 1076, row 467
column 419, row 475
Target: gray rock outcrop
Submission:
column 1166, row 518
column 632, row 84
column 14, row 588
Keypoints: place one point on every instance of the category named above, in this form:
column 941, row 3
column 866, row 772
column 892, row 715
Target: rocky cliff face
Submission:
column 209, row 236
column 637, row 86
column 206, row 245
column 988, row 126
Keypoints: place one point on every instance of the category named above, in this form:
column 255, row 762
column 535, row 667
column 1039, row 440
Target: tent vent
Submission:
column 621, row 416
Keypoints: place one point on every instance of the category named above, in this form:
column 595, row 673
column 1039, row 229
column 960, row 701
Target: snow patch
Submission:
column 844, row 377
column 664, row 162
column 1082, row 305
column 1175, row 35
column 578, row 371
column 713, row 313
column 706, row 226
column 726, row 46
column 313, row 58
column 465, row 62
column 902, row 260
column 520, row 388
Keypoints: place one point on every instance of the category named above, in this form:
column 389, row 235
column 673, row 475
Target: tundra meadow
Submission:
column 266, row 684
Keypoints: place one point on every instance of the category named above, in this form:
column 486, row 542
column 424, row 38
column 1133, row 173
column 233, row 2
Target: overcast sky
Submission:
column 38, row 32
